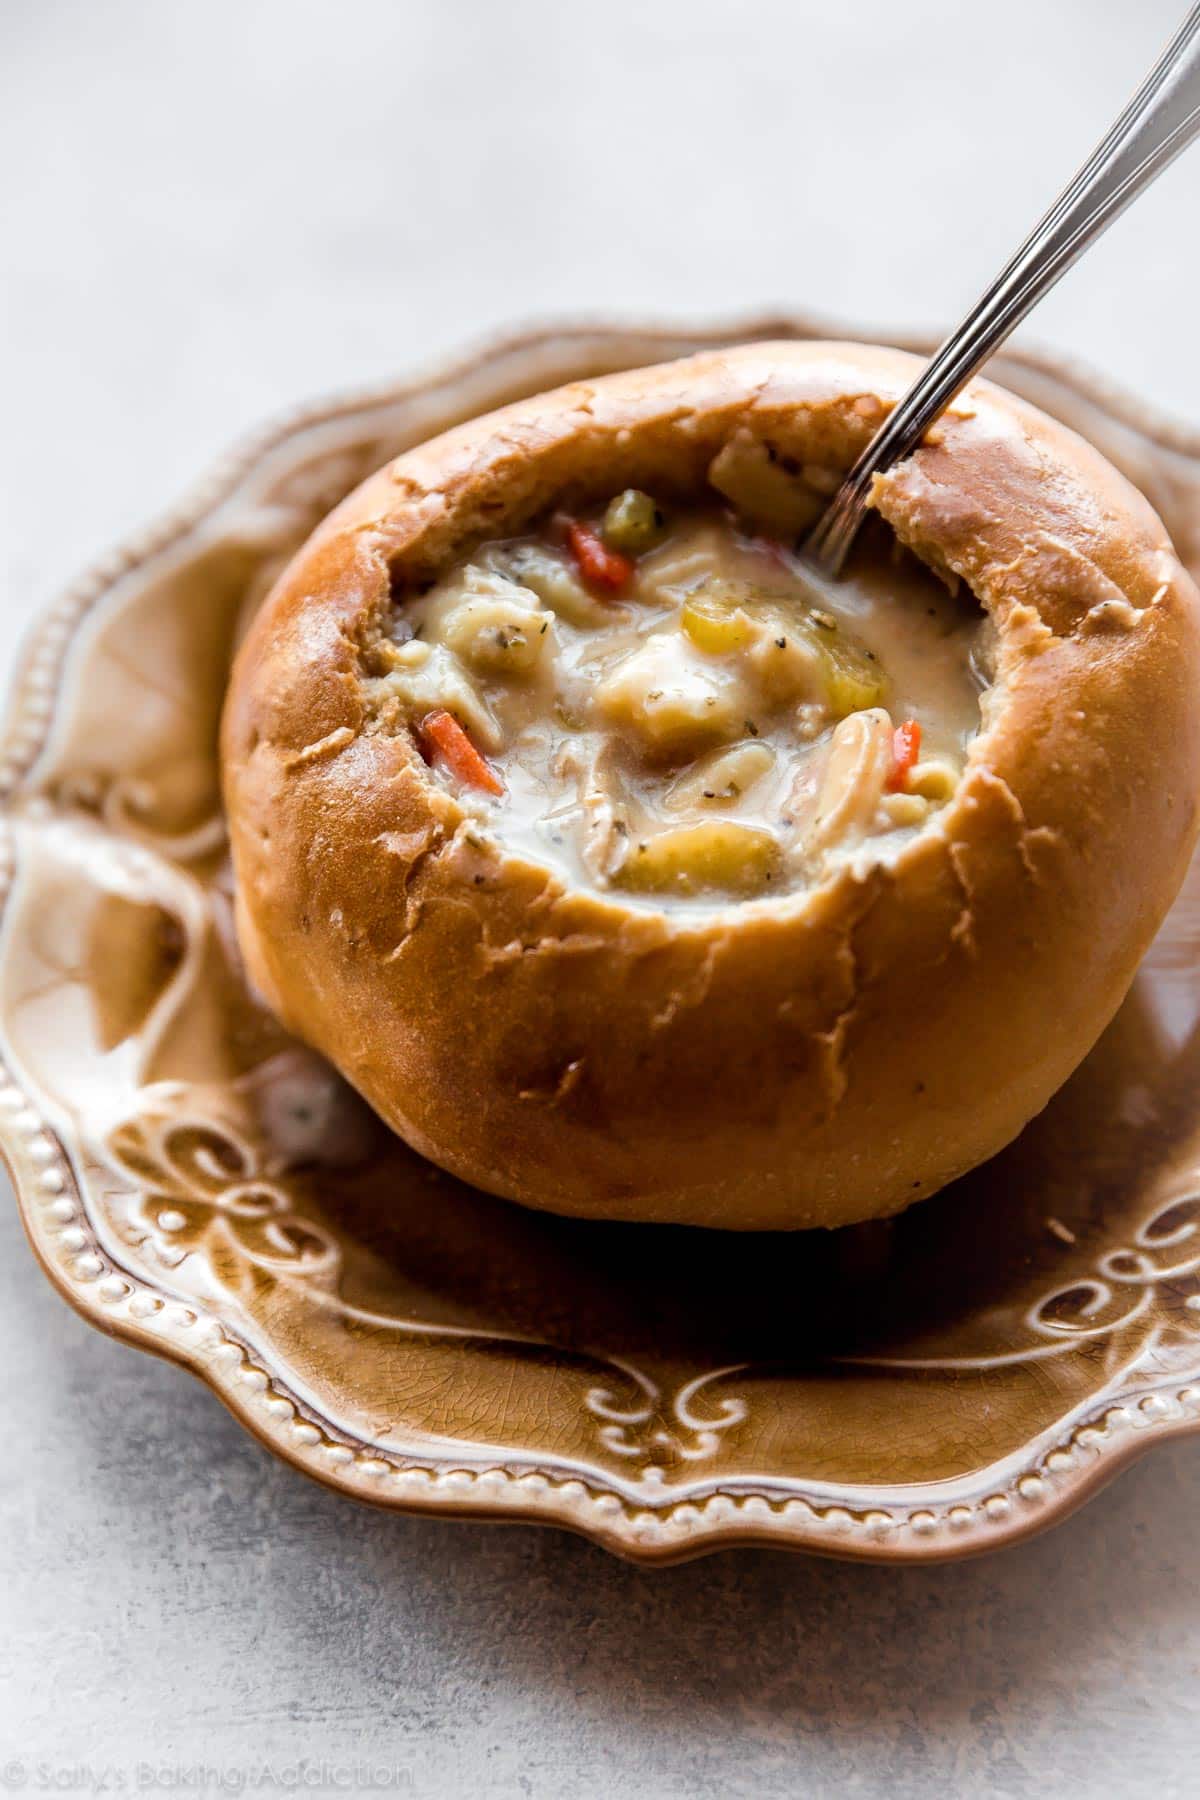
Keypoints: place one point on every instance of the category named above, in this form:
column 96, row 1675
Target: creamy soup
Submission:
column 660, row 703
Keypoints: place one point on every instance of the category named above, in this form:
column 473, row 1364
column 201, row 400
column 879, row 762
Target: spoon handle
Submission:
column 1162, row 118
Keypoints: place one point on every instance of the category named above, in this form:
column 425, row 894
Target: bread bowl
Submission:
column 857, row 1021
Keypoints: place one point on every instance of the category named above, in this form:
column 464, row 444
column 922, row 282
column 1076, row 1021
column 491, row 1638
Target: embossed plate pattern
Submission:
column 200, row 1185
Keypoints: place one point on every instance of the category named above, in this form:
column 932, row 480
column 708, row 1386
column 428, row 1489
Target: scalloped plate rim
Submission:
column 42, row 1175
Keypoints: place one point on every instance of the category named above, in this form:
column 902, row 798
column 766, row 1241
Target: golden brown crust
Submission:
column 811, row 1060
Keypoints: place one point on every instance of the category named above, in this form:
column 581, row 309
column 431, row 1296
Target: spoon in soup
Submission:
column 1162, row 119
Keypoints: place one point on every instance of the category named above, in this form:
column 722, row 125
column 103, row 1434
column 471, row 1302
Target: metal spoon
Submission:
column 1161, row 120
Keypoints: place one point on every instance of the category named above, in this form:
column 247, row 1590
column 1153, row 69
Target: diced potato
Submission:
column 674, row 707
column 689, row 859
column 721, row 778
column 786, row 663
column 486, row 618
column 499, row 636
column 633, row 522
column 762, row 489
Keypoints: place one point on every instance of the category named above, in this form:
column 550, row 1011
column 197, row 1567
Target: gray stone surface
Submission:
column 211, row 211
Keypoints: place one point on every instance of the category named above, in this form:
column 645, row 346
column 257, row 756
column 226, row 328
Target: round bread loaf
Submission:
column 812, row 1058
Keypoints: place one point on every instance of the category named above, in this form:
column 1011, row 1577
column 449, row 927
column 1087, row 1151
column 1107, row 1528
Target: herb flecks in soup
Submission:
column 659, row 703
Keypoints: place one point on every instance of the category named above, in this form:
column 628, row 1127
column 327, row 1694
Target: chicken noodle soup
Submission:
column 659, row 703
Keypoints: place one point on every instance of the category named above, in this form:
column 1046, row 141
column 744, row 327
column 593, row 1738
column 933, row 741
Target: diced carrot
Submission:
column 906, row 748
column 441, row 733
column 599, row 566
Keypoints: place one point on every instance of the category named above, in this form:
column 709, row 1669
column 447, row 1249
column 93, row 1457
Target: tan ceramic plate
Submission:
column 198, row 1184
